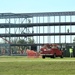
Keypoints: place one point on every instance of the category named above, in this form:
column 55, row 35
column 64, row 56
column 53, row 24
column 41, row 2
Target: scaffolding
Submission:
column 47, row 27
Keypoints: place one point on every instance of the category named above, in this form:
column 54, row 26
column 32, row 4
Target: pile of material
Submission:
column 32, row 53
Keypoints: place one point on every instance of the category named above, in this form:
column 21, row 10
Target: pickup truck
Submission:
column 51, row 50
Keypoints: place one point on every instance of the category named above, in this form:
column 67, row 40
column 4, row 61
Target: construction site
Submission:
column 22, row 31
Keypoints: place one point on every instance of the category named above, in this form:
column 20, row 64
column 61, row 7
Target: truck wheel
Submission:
column 62, row 56
column 43, row 57
column 54, row 56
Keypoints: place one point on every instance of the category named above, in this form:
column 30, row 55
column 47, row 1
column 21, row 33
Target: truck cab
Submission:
column 51, row 50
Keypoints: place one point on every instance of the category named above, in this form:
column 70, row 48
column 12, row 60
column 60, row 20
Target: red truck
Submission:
column 51, row 50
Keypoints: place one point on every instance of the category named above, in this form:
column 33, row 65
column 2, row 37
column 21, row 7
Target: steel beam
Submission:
column 35, row 24
column 28, row 15
column 35, row 34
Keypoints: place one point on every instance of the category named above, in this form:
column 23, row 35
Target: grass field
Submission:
column 21, row 65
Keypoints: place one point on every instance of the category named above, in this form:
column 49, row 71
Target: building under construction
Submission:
column 46, row 27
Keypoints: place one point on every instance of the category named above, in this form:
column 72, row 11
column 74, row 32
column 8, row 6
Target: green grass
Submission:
column 20, row 65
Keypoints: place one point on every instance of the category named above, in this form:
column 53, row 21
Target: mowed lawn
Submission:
column 21, row 65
